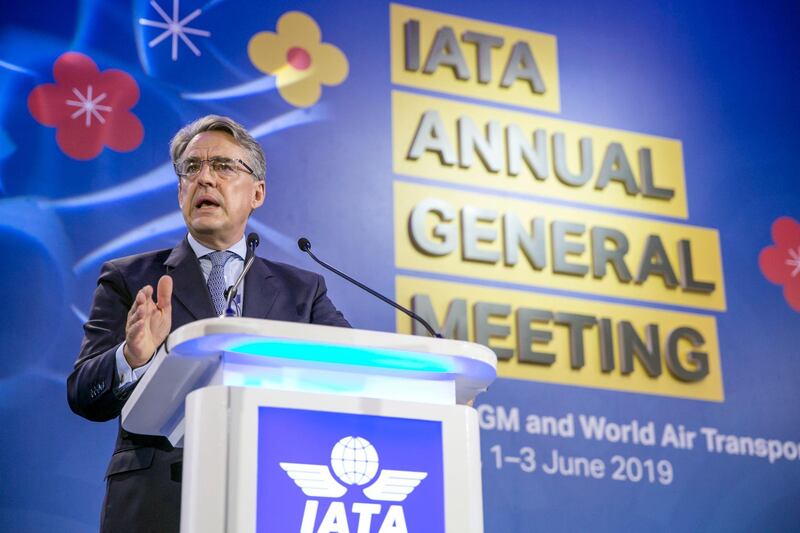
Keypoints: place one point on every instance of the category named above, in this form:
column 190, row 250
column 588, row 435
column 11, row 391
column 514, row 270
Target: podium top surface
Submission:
column 299, row 357
column 259, row 342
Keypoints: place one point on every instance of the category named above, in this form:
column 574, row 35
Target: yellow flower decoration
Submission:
column 298, row 58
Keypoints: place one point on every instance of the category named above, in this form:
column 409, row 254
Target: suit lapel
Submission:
column 260, row 290
column 189, row 285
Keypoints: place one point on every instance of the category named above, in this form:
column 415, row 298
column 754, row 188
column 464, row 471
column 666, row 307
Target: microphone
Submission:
column 230, row 293
column 305, row 246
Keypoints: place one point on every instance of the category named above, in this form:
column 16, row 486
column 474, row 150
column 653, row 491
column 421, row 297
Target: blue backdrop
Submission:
column 720, row 78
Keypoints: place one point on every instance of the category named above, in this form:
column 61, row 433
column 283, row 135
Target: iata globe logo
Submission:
column 355, row 462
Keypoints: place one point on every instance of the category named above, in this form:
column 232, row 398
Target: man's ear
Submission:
column 260, row 193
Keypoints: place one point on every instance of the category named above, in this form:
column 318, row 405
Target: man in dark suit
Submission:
column 221, row 171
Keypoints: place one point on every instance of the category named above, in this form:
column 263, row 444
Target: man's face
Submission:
column 216, row 209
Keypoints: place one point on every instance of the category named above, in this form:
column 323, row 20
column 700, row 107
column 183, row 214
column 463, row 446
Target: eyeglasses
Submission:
column 222, row 167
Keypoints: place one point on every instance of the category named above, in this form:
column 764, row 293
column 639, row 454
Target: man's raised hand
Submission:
column 149, row 322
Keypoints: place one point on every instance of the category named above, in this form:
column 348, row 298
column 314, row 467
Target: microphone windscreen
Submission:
column 253, row 240
column 304, row 244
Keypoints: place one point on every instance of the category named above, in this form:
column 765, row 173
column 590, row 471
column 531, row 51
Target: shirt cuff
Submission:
column 125, row 373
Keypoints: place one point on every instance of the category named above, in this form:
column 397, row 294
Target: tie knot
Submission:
column 219, row 258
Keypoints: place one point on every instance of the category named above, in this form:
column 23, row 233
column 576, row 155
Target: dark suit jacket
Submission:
column 143, row 477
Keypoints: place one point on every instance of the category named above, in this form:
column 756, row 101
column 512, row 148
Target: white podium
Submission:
column 298, row 427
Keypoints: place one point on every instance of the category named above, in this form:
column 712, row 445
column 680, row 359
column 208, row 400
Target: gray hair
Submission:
column 257, row 161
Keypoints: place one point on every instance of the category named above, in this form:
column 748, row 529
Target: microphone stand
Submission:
column 305, row 245
column 230, row 292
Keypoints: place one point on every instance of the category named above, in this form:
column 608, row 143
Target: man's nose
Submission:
column 206, row 176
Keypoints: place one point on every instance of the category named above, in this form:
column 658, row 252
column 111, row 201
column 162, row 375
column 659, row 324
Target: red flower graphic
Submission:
column 781, row 263
column 89, row 108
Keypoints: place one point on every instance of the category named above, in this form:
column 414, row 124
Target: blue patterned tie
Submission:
column 216, row 279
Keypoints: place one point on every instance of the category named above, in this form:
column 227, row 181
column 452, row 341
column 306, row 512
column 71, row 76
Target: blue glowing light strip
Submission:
column 344, row 355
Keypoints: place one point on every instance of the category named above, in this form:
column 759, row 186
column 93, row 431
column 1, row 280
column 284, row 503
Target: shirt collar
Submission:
column 240, row 248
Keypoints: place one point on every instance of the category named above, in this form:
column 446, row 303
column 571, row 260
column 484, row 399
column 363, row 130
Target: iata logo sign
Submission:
column 323, row 472
column 355, row 462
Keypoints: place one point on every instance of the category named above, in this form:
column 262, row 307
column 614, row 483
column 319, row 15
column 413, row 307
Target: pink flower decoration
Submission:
column 88, row 108
column 781, row 263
